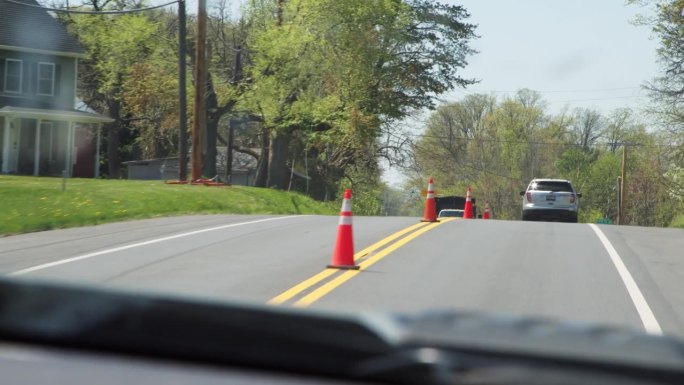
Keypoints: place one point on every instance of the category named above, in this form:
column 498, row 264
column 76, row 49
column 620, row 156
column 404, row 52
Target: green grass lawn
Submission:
column 38, row 203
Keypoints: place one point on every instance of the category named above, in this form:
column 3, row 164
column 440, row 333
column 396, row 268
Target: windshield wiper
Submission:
column 440, row 366
column 209, row 332
column 442, row 347
column 481, row 346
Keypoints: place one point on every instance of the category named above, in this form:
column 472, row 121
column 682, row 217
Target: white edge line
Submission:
column 645, row 313
column 152, row 241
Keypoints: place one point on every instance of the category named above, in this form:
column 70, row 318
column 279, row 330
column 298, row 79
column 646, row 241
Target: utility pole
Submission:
column 182, row 114
column 622, row 186
column 229, row 151
column 618, row 220
column 200, row 110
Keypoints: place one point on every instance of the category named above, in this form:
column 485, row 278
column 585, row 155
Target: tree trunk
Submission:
column 113, row 159
column 213, row 117
column 262, row 163
column 210, row 151
column 277, row 164
column 113, row 131
column 229, row 152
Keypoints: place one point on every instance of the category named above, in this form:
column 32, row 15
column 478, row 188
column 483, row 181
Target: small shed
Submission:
column 153, row 169
column 243, row 170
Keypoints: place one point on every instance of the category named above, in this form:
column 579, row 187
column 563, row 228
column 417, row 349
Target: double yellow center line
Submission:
column 412, row 231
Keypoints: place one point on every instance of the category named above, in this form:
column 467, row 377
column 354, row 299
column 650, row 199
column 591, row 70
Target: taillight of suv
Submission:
column 572, row 198
column 528, row 195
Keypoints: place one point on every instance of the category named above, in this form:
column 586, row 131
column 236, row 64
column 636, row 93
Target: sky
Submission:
column 580, row 53
column 577, row 53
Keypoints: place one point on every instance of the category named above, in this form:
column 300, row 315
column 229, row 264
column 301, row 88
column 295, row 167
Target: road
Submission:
column 632, row 278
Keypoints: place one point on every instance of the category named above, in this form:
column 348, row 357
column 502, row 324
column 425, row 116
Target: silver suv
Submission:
column 550, row 199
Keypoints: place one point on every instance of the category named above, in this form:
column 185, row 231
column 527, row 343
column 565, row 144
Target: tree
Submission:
column 575, row 164
column 228, row 54
column 587, row 127
column 667, row 89
column 114, row 45
column 150, row 92
column 519, row 122
column 339, row 71
column 600, row 187
column 455, row 136
column 151, row 101
column 618, row 125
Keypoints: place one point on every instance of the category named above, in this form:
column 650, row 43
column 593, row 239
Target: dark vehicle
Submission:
column 453, row 202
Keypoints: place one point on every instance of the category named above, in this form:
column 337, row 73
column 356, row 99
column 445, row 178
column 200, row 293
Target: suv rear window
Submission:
column 550, row 186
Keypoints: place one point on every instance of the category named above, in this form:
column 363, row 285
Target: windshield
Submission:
column 351, row 157
column 451, row 213
column 550, row 186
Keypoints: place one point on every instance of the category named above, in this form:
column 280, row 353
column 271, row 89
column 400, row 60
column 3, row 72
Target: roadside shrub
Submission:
column 589, row 215
column 678, row 221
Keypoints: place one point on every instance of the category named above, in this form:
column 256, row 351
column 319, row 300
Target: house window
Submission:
column 46, row 79
column 13, row 75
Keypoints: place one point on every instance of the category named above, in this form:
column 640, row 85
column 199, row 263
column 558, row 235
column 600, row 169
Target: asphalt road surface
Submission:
column 624, row 276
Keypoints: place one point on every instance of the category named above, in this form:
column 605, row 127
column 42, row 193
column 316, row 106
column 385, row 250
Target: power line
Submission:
column 470, row 93
column 561, row 91
column 597, row 99
column 61, row 10
column 502, row 141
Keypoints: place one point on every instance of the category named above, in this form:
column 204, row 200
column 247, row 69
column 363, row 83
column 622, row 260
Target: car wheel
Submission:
column 526, row 217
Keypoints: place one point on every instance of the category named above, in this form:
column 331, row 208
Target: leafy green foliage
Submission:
column 599, row 185
column 129, row 74
column 324, row 82
column 678, row 221
column 151, row 97
column 405, row 54
column 115, row 43
column 367, row 192
column 667, row 89
column 340, row 71
column 590, row 215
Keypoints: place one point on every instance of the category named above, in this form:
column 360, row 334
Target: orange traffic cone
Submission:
column 430, row 213
column 468, row 209
column 486, row 215
column 343, row 254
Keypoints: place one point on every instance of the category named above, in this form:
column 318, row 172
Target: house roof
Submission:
column 58, row 115
column 145, row 162
column 241, row 162
column 29, row 102
column 32, row 29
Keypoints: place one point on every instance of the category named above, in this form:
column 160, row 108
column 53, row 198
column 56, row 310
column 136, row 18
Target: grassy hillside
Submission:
column 32, row 204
